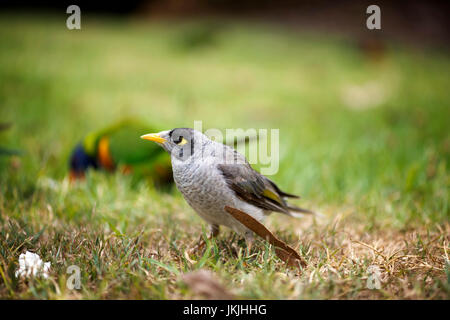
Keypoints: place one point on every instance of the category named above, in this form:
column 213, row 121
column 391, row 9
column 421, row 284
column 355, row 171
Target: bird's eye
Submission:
column 177, row 139
column 182, row 142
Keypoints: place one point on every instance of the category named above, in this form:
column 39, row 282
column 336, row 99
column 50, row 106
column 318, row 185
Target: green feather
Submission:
column 126, row 148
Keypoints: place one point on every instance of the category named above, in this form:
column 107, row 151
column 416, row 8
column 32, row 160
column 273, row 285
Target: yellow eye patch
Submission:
column 182, row 142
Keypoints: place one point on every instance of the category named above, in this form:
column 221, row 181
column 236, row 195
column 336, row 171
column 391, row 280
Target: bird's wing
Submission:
column 280, row 192
column 251, row 186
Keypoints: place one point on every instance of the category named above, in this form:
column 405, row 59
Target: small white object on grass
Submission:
column 31, row 265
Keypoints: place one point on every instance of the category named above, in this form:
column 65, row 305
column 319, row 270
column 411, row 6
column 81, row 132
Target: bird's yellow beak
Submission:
column 153, row 137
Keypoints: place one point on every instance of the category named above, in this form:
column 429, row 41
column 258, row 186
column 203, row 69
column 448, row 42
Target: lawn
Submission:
column 364, row 141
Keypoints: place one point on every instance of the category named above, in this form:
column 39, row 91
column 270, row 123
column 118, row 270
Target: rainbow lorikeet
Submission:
column 118, row 147
column 7, row 151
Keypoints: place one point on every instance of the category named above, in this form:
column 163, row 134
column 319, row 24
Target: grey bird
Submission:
column 211, row 175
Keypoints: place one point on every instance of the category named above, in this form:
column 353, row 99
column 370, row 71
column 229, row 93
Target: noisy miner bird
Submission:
column 116, row 148
column 211, row 175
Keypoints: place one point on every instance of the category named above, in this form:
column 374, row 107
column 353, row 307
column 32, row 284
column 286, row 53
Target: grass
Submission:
column 365, row 142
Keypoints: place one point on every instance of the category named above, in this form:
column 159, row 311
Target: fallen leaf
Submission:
column 283, row 251
column 204, row 283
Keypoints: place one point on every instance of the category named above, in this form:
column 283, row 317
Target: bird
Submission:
column 211, row 175
column 7, row 151
column 115, row 148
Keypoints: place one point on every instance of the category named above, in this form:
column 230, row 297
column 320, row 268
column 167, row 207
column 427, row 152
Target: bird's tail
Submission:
column 298, row 212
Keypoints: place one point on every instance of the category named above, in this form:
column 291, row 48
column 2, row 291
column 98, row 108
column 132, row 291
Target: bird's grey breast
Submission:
column 203, row 186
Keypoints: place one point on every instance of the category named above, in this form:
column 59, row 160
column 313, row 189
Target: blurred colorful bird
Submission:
column 7, row 151
column 116, row 148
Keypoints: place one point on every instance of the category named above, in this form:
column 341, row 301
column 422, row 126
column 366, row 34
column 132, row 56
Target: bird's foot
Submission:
column 198, row 246
column 214, row 232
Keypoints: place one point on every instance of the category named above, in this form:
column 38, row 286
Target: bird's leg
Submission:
column 249, row 238
column 214, row 232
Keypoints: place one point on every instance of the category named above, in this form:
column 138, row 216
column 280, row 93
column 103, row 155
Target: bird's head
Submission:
column 180, row 142
column 80, row 161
